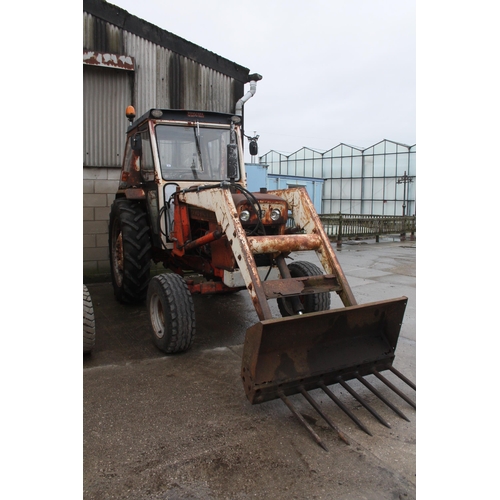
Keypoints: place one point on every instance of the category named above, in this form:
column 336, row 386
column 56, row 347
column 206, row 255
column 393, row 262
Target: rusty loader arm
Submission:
column 299, row 353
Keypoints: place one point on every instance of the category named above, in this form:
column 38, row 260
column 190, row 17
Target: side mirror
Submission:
column 253, row 148
column 136, row 143
column 232, row 161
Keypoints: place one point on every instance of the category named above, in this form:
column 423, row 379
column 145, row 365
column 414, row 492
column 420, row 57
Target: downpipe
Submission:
column 254, row 78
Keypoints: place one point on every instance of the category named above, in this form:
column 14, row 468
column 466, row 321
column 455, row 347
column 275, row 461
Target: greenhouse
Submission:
column 378, row 180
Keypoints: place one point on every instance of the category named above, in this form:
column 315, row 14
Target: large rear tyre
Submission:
column 129, row 250
column 313, row 302
column 88, row 322
column 171, row 310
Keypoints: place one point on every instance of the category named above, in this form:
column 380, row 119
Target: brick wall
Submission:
column 99, row 188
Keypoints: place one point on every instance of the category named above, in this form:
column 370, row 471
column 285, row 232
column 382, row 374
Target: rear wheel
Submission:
column 88, row 322
column 129, row 251
column 313, row 302
column 171, row 310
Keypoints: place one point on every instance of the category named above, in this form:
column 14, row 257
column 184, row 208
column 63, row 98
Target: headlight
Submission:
column 244, row 215
column 275, row 214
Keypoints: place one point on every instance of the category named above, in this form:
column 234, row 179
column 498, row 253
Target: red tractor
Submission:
column 183, row 202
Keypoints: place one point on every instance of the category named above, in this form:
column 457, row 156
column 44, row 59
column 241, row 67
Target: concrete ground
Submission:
column 180, row 427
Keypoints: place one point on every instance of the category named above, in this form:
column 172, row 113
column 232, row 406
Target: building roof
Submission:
column 124, row 20
column 322, row 152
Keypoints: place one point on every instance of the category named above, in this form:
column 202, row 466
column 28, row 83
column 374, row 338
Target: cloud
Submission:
column 333, row 71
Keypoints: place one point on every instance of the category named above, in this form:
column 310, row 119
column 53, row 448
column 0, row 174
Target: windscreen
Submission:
column 192, row 152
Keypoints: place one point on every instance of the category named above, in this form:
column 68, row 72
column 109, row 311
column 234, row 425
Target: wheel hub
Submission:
column 157, row 316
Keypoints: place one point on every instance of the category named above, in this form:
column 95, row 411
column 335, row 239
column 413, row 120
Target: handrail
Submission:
column 339, row 226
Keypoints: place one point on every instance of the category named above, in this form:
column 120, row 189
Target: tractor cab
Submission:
column 183, row 147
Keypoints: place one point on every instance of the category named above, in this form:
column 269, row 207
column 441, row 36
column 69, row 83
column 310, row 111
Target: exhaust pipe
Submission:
column 253, row 79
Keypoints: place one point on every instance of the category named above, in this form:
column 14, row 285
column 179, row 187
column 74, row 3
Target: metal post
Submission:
column 339, row 233
column 406, row 179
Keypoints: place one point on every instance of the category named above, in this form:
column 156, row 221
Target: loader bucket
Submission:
column 289, row 355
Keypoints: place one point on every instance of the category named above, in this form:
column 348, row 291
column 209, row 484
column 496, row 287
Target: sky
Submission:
column 334, row 71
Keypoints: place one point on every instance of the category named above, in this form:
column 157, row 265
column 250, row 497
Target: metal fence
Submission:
column 341, row 226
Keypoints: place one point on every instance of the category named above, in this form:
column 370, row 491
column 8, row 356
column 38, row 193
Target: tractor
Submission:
column 183, row 201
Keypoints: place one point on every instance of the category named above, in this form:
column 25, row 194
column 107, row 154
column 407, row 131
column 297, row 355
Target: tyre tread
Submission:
column 313, row 302
column 180, row 313
column 88, row 322
column 137, row 250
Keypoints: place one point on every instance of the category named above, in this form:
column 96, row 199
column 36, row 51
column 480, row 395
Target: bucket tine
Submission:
column 363, row 402
column 395, row 389
column 382, row 398
column 403, row 378
column 301, row 420
column 344, row 408
column 315, row 405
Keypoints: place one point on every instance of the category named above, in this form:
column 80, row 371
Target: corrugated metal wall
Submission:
column 160, row 70
column 106, row 94
column 162, row 78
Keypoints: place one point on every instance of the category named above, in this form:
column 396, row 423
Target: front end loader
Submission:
column 183, row 201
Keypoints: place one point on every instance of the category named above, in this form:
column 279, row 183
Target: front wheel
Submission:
column 313, row 302
column 171, row 310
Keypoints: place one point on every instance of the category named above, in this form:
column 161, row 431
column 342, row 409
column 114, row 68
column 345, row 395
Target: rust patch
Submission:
column 108, row 60
column 284, row 243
